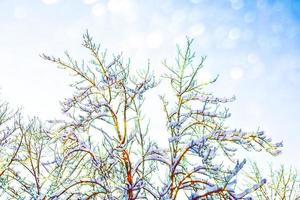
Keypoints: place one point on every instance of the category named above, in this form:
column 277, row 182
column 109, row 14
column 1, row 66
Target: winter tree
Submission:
column 282, row 184
column 103, row 148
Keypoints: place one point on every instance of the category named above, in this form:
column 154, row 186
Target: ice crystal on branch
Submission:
column 103, row 148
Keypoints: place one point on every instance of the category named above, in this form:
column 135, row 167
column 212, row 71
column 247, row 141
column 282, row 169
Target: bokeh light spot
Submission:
column 234, row 34
column 237, row 4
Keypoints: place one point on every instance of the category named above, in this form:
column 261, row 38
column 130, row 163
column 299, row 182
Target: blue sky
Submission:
column 252, row 44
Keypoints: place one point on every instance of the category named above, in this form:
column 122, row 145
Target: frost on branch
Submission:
column 199, row 136
column 103, row 147
column 282, row 184
column 10, row 140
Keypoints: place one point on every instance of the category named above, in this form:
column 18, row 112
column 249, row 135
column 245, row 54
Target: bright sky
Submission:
column 252, row 44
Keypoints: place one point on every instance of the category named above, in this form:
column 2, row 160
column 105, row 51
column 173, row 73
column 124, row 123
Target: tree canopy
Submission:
column 103, row 148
